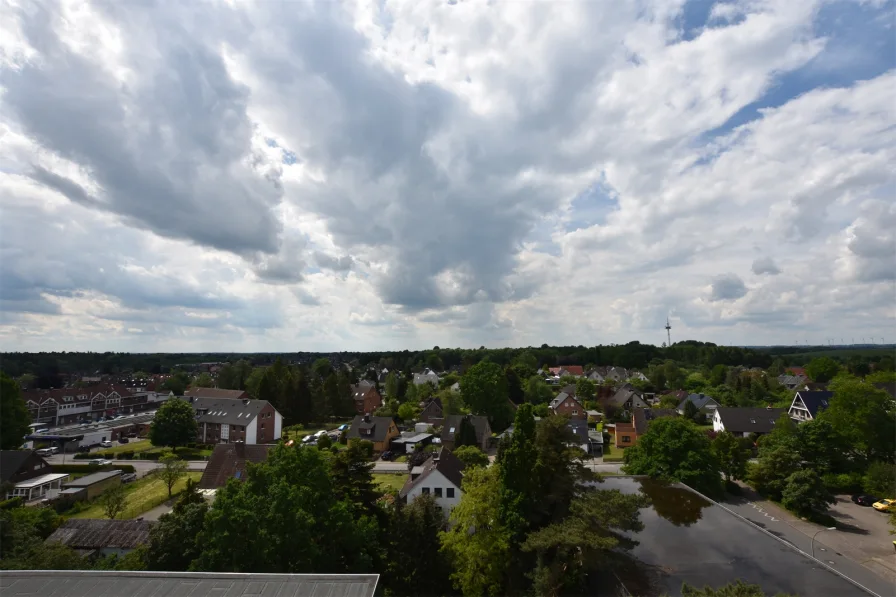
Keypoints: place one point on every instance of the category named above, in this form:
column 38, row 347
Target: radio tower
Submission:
column 668, row 332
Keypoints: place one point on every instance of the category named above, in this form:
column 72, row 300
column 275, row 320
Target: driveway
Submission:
column 864, row 534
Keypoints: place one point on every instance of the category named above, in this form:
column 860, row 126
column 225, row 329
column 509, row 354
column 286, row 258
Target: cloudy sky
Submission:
column 401, row 174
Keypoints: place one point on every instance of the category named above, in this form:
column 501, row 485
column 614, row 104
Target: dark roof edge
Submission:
column 198, row 575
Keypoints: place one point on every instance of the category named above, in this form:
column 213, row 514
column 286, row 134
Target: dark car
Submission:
column 864, row 500
column 387, row 455
column 83, row 449
column 123, row 440
column 129, row 477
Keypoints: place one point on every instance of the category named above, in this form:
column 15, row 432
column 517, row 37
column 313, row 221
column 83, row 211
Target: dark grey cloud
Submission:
column 728, row 287
column 765, row 265
column 167, row 150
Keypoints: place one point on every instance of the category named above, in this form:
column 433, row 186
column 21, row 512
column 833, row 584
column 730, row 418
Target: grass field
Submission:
column 142, row 495
column 134, row 446
column 390, row 481
column 612, row 453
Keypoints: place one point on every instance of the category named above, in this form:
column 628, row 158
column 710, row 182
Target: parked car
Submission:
column 106, row 443
column 342, row 428
column 884, row 505
column 99, row 462
column 44, row 452
column 309, row 439
column 128, row 477
column 864, row 500
column 53, row 450
column 387, row 455
column 123, row 440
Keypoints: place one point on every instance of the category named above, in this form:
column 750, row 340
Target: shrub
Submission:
column 843, row 483
column 12, row 503
column 880, row 479
column 324, row 442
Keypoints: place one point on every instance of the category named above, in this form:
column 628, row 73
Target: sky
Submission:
column 388, row 175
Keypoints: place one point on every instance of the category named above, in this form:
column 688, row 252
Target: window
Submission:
column 262, row 425
column 438, row 491
column 425, row 491
column 753, row 421
column 575, row 412
column 449, row 492
column 626, row 438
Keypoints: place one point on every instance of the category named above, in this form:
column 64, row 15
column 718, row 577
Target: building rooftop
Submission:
column 88, row 480
column 97, row 583
column 41, row 480
column 89, row 533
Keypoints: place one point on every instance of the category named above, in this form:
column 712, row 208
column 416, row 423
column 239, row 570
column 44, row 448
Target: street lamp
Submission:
column 816, row 534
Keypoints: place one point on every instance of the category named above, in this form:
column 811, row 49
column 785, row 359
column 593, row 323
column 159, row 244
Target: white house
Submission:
column 440, row 476
column 428, row 376
column 744, row 422
column 806, row 405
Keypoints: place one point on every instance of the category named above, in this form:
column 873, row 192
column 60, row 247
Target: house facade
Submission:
column 227, row 420
column 705, row 404
column 627, row 434
column 440, row 476
column 627, row 398
column 67, row 406
column 366, row 397
column 806, row 405
column 379, row 430
column 427, row 376
column 228, row 461
column 432, row 413
column 29, row 474
column 566, row 404
column 452, row 425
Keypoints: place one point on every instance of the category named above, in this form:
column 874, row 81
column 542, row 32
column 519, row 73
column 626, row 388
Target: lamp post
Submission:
column 816, row 534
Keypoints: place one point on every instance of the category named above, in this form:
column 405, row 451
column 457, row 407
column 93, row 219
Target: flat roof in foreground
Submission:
column 43, row 479
column 96, row 583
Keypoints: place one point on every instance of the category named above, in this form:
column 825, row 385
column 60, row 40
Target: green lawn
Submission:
column 390, row 481
column 402, row 458
column 134, row 446
column 142, row 495
column 612, row 453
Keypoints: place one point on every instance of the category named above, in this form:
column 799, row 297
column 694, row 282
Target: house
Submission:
column 627, row 398
column 480, row 424
column 440, row 476
column 366, row 397
column 379, row 430
column 225, row 420
column 797, row 371
column 792, row 382
column 432, row 413
column 705, row 404
column 89, row 536
column 96, row 484
column 67, row 406
column 617, row 374
column 594, row 416
column 627, row 434
column 815, row 386
column 407, row 443
column 29, row 474
column 228, row 461
column 216, row 393
column 596, row 375
column 745, row 421
column 567, row 404
column 590, row 440
column 428, row 376
column 806, row 405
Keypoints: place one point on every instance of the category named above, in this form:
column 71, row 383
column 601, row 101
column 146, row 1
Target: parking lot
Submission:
column 864, row 534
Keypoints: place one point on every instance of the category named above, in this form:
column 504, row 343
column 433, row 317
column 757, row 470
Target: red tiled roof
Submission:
column 575, row 369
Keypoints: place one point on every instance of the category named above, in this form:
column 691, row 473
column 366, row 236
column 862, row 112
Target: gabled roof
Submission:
column 889, row 387
column 642, row 417
column 216, row 393
column 749, row 420
column 452, row 426
column 89, row 533
column 814, row 401
column 229, row 411
column 574, row 369
column 699, row 400
column 561, row 397
column 445, row 462
column 378, row 426
column 623, row 394
column 225, row 463
column 10, row 463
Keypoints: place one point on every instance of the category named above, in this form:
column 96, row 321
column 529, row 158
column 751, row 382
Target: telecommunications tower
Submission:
column 668, row 332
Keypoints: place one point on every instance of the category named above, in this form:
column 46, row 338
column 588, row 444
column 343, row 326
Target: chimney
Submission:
column 191, row 399
column 240, row 448
column 246, row 402
column 366, row 417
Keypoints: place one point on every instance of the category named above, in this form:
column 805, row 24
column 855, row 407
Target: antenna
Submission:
column 668, row 332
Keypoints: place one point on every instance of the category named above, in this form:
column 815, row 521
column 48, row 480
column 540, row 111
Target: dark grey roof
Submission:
column 889, row 387
column 480, row 424
column 88, row 583
column 623, row 394
column 699, row 400
column 227, row 411
column 216, row 393
column 88, row 480
column 10, row 463
column 445, row 462
column 379, row 427
column 226, row 464
column 750, row 420
column 815, row 401
column 643, row 417
column 89, row 533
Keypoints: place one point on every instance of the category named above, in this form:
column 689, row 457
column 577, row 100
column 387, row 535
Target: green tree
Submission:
column 736, row 589
column 537, row 391
column 718, row 375
column 484, row 391
column 174, row 424
column 173, row 541
column 14, row 417
column 865, row 416
column 351, row 478
column 203, row 380
column 673, row 449
column 823, row 447
column 466, row 433
column 669, row 401
column 880, row 479
column 171, row 471
column 805, row 493
column 732, row 453
column 822, row 369
column 408, row 411
column 776, row 464
column 674, row 377
column 691, row 412
column 585, row 389
column 414, row 565
column 480, row 558
column 392, row 385
column 471, row 456
column 114, row 501
column 322, row 368
column 176, row 383
column 324, row 442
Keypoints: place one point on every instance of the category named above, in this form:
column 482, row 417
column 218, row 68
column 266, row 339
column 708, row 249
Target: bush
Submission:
column 12, row 503
column 843, row 483
column 150, row 455
column 126, row 455
column 880, row 479
column 324, row 442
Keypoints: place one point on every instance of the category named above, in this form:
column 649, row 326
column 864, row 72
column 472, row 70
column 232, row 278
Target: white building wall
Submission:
column 433, row 481
column 278, row 424
column 252, row 431
column 717, row 423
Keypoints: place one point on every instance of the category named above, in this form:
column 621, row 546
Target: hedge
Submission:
column 91, row 468
column 12, row 503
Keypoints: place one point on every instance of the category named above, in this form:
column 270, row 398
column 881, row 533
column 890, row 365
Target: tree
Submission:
column 466, row 433
column 414, row 565
column 114, row 501
column 805, row 493
column 864, row 415
column 171, row 471
column 537, row 391
column 471, row 456
column 718, row 375
column 322, row 368
column 880, row 479
column 822, row 369
column 674, row 449
column 484, row 391
column 823, row 447
column 736, row 589
column 174, row 424
column 691, row 412
column 392, row 385
column 324, row 442
column 732, row 453
column 14, row 417
column 350, row 475
column 674, row 377
column 408, row 411
column 203, row 380
column 173, row 541
column 480, row 558
column 585, row 389
column 769, row 476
